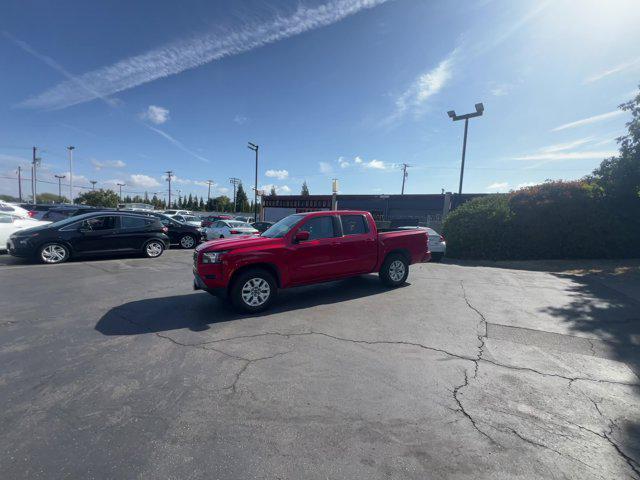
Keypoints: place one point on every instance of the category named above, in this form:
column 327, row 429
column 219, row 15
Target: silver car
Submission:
column 229, row 228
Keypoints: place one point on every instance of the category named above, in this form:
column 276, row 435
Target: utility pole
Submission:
column 20, row 183
column 169, row 175
column 234, row 181
column 255, row 148
column 121, row 185
column 404, row 174
column 33, row 174
column 209, row 182
column 452, row 114
column 93, row 184
column 71, row 148
column 59, row 177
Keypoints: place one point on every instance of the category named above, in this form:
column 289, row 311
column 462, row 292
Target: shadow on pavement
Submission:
column 196, row 311
column 608, row 314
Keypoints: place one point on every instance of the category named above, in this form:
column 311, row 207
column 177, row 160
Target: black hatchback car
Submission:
column 182, row 234
column 98, row 233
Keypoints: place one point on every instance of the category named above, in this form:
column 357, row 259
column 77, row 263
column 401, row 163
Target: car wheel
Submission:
column 253, row 290
column 394, row 270
column 153, row 248
column 53, row 253
column 187, row 241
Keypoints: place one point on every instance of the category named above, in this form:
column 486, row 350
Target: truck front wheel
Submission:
column 394, row 270
column 253, row 290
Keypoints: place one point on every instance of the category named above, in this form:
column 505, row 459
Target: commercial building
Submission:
column 427, row 209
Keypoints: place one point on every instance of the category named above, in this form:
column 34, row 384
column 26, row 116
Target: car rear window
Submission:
column 353, row 225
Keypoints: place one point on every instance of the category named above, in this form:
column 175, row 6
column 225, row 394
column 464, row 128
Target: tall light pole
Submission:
column 404, row 175
column 120, row 185
column 71, row 148
column 20, row 183
column 234, row 181
column 169, row 175
column 255, row 148
column 34, row 165
column 209, row 182
column 452, row 114
column 93, row 184
column 59, row 177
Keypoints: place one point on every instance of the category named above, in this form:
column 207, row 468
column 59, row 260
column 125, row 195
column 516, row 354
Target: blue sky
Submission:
column 329, row 88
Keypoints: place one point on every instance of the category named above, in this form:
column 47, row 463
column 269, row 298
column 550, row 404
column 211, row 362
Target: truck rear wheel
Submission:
column 394, row 270
column 253, row 290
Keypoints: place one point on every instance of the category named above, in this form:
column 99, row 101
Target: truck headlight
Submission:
column 212, row 257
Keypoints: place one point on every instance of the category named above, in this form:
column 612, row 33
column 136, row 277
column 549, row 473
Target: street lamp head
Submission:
column 479, row 108
column 252, row 146
column 452, row 114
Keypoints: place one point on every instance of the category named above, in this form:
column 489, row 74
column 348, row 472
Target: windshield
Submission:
column 191, row 219
column 281, row 228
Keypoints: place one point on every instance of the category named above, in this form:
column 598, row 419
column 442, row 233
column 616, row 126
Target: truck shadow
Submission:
column 197, row 310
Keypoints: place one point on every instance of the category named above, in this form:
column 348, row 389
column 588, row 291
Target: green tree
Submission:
column 98, row 198
column 51, row 198
column 190, row 202
column 201, row 204
column 305, row 189
column 8, row 198
column 242, row 202
column 222, row 204
column 273, row 192
column 619, row 177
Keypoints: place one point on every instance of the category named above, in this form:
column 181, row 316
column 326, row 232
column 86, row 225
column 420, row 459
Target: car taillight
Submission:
column 234, row 232
column 165, row 229
column 31, row 213
column 442, row 238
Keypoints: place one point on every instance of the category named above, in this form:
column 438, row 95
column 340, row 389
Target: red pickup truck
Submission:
column 302, row 249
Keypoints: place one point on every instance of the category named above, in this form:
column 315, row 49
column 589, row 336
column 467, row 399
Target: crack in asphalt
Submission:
column 633, row 464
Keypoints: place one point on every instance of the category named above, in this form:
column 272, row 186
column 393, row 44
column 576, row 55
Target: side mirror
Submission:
column 302, row 236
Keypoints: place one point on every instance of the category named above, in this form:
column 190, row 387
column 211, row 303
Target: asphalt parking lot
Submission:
column 118, row 369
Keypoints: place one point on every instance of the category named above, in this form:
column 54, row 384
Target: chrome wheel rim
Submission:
column 397, row 270
column 53, row 254
column 154, row 249
column 256, row 292
column 187, row 241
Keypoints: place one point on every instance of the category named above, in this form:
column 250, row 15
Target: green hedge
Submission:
column 552, row 220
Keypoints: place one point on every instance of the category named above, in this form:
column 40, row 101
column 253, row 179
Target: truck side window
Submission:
column 353, row 225
column 319, row 227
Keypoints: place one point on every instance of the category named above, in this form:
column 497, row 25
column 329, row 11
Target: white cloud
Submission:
column 202, row 183
column 502, row 187
column 280, row 189
column 240, row 119
column 501, row 90
column 98, row 165
column 559, row 147
column 358, row 160
column 589, row 120
column 223, row 190
column 155, row 114
column 325, row 168
column 196, row 51
column 559, row 156
column 498, row 187
column 176, row 142
column 424, row 87
column 343, row 162
column 612, row 71
column 376, row 165
column 279, row 174
column 143, row 181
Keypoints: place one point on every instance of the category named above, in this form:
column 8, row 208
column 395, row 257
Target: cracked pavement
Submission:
column 122, row 371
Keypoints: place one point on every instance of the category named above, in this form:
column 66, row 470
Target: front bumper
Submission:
column 18, row 250
column 199, row 284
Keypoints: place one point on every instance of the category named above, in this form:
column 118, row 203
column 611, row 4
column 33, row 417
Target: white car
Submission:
column 14, row 210
column 10, row 223
column 437, row 243
column 229, row 228
column 177, row 212
column 188, row 219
